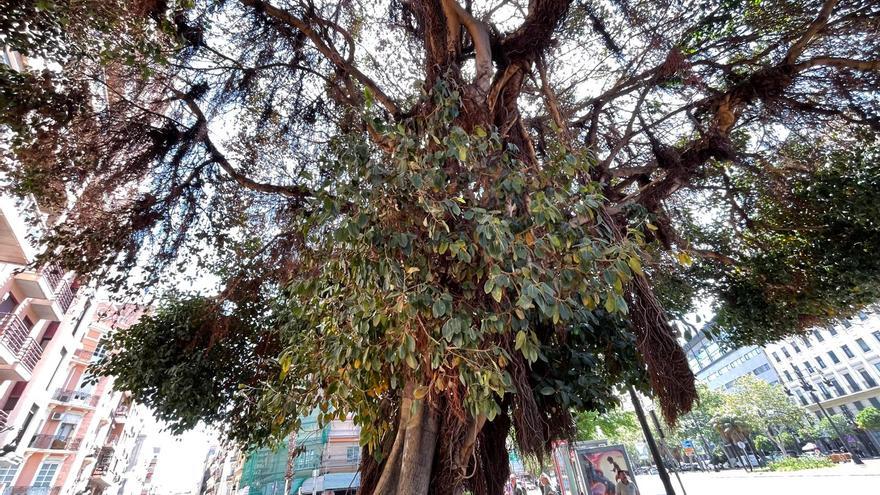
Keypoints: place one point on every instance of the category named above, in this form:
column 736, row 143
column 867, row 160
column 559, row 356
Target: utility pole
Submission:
column 812, row 391
column 652, row 446
column 666, row 448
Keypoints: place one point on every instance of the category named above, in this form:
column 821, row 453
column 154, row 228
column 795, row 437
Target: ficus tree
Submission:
column 455, row 221
column 765, row 408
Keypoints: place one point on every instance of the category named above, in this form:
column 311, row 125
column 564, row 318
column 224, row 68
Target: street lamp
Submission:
column 812, row 390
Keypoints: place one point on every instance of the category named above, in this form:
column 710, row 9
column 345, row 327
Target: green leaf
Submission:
column 438, row 309
column 520, row 340
column 497, row 292
column 547, row 390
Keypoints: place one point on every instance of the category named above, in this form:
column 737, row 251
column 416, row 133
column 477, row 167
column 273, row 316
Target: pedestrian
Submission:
column 515, row 489
column 624, row 485
column 544, row 485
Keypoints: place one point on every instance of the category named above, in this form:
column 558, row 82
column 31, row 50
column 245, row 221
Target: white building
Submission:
column 719, row 368
column 840, row 362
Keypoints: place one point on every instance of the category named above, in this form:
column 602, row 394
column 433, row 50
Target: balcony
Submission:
column 32, row 490
column 4, row 418
column 83, row 356
column 103, row 475
column 120, row 415
column 52, row 442
column 76, row 398
column 19, row 353
column 54, row 303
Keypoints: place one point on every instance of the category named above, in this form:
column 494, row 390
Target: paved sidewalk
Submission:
column 845, row 478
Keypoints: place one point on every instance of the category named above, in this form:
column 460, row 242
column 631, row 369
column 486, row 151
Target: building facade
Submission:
column 326, row 460
column 839, row 362
column 719, row 368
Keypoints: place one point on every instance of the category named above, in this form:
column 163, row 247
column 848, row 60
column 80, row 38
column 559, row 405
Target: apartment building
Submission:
column 327, row 460
column 720, row 367
column 839, row 363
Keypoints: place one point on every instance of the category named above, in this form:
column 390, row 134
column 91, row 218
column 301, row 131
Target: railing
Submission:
column 30, row 353
column 121, row 411
column 102, row 465
column 13, row 332
column 53, row 274
column 53, row 442
column 64, row 296
column 76, row 397
column 32, row 490
column 83, row 355
column 4, row 418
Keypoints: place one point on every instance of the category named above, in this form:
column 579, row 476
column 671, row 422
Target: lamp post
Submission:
column 649, row 439
column 812, row 391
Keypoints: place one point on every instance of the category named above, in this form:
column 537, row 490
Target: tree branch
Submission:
column 325, row 49
column 817, row 25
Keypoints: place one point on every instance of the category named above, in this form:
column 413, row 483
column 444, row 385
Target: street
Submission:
column 847, row 478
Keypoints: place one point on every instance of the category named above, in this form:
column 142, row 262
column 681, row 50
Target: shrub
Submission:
column 799, row 463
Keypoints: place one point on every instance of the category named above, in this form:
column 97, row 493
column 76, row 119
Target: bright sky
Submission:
column 181, row 461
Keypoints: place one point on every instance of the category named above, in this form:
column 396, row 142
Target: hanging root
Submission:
column 668, row 371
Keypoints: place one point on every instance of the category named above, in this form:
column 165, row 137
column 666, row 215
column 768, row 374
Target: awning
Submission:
column 331, row 481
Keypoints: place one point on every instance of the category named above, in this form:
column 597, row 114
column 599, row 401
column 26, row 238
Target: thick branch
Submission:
column 817, row 25
column 325, row 49
column 455, row 16
column 839, row 62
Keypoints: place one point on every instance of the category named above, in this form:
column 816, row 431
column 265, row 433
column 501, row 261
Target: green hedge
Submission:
column 799, row 463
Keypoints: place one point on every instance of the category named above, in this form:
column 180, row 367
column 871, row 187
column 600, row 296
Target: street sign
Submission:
column 687, row 443
column 689, row 451
column 741, row 445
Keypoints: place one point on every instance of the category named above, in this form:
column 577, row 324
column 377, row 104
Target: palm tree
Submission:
column 733, row 429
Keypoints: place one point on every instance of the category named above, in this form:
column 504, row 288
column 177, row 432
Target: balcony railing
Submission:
column 4, row 418
column 30, row 353
column 76, row 397
column 102, row 465
column 121, row 412
column 64, row 296
column 32, row 490
column 53, row 442
column 83, row 355
column 53, row 275
column 13, row 333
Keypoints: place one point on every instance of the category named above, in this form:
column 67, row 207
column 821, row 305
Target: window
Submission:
column 785, row 351
column 7, row 475
column 859, row 405
column 100, row 351
column 862, row 344
column 818, row 335
column 819, row 415
column 837, row 388
column 820, row 362
column 807, row 342
column 46, row 474
column 825, row 392
column 876, row 335
column 852, row 383
column 306, row 460
column 833, row 357
column 877, row 365
column 869, row 380
column 802, row 398
column 787, row 375
column 831, row 411
column 795, row 347
column 353, row 454
column 832, row 330
column 761, row 369
column 776, row 356
column 809, row 367
column 848, row 352
column 874, row 402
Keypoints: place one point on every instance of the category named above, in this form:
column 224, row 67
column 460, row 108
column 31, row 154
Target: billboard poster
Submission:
column 565, row 476
column 599, row 467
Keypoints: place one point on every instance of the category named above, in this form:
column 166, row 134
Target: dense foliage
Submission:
column 869, row 419
column 453, row 220
column 799, row 463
